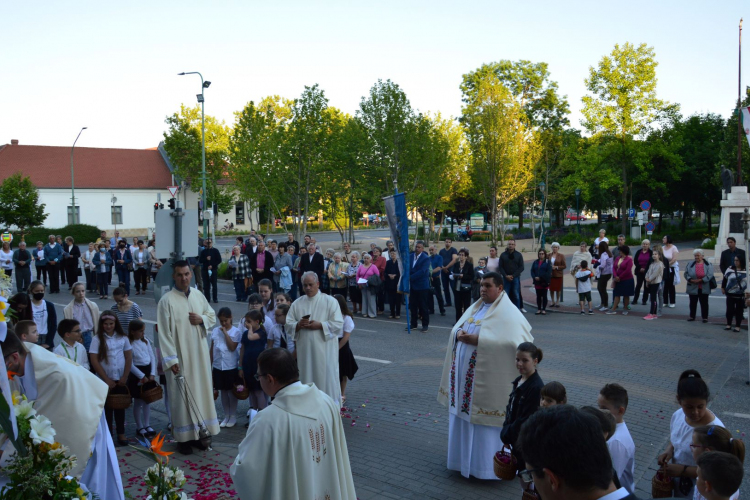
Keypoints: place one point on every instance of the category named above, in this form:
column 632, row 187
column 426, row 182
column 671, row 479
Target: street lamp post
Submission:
column 746, row 228
column 578, row 209
column 542, row 188
column 204, row 85
column 72, row 179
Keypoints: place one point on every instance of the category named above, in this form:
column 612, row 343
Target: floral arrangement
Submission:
column 40, row 467
column 6, row 285
column 163, row 481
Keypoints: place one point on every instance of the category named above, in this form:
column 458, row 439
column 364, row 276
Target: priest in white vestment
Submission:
column 73, row 400
column 295, row 449
column 478, row 369
column 183, row 317
column 315, row 320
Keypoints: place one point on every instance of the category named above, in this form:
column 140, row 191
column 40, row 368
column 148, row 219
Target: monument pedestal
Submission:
column 731, row 220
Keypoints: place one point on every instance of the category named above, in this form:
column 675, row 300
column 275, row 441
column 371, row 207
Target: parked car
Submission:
column 573, row 215
column 606, row 217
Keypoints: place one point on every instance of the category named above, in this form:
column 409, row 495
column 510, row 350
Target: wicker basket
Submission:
column 504, row 470
column 120, row 400
column 216, row 394
column 661, row 485
column 241, row 395
column 529, row 495
column 150, row 392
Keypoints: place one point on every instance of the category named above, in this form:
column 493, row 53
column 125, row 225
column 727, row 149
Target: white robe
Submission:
column 318, row 350
column 295, row 449
column 71, row 398
column 186, row 344
column 471, row 447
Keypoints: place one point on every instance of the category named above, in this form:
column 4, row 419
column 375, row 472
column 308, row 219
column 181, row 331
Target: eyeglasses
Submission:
column 257, row 377
column 76, row 331
column 526, row 476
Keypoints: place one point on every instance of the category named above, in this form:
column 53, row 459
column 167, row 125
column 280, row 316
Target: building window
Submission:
column 239, row 213
column 78, row 215
column 116, row 214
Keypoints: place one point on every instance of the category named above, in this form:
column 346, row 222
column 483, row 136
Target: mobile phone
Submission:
column 306, row 316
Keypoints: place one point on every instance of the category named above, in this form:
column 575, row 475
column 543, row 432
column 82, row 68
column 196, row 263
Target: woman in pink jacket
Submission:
column 622, row 280
column 369, row 293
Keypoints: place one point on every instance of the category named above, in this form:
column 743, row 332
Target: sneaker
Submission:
column 611, row 311
column 625, row 313
column 224, row 422
column 591, row 312
column 649, row 317
column 523, row 310
column 603, row 308
column 231, row 422
column 672, row 305
column 583, row 312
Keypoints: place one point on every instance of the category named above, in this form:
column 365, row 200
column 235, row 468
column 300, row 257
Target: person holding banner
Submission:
column 419, row 281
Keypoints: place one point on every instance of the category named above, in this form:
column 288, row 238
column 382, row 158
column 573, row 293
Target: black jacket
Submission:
column 215, row 255
column 317, row 265
column 511, row 264
column 543, row 272
column 727, row 258
column 638, row 267
column 391, row 267
column 267, row 265
column 468, row 273
column 74, row 252
column 522, row 403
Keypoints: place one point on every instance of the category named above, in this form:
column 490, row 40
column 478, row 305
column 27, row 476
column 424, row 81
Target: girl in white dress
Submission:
column 715, row 438
column 693, row 396
column 111, row 357
column 142, row 372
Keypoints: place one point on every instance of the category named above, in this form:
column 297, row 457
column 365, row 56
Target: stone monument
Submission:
column 734, row 201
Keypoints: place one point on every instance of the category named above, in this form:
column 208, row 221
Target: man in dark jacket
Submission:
column 210, row 259
column 728, row 255
column 262, row 264
column 22, row 262
column 565, row 454
column 313, row 261
column 419, row 285
column 511, row 267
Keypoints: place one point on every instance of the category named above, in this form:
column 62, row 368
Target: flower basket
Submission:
column 504, row 464
column 240, row 389
column 120, row 400
column 529, row 495
column 216, row 394
column 661, row 485
column 150, row 392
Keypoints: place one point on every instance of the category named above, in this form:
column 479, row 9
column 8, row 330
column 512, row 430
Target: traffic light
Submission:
column 161, row 206
column 172, row 203
column 156, row 206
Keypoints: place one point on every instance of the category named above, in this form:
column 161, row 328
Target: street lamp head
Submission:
column 542, row 185
column 200, row 97
column 206, row 84
column 181, row 74
column 578, row 192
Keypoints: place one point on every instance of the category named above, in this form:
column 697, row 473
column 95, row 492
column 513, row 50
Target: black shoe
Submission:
column 410, row 328
column 691, row 319
column 705, row 321
column 122, row 442
column 424, row 329
column 185, row 448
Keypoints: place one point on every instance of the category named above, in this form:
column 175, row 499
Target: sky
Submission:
column 112, row 66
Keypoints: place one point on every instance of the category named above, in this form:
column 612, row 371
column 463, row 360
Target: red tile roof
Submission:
column 49, row 167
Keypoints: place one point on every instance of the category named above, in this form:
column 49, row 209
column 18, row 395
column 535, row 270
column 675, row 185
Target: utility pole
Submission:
column 739, row 111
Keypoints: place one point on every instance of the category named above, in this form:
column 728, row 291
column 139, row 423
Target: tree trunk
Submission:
column 683, row 222
column 708, row 220
column 624, row 225
column 520, row 216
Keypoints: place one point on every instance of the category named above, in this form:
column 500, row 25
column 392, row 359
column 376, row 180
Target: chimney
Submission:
column 14, row 142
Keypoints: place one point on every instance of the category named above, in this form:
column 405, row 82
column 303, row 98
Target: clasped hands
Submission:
column 467, row 338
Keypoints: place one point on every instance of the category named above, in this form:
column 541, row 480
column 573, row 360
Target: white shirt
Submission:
column 6, row 259
column 76, row 353
column 697, row 495
column 224, row 359
column 681, row 437
column 493, row 264
column 117, row 345
column 348, row 326
column 584, row 286
column 39, row 313
column 143, row 355
column 622, row 450
column 615, row 495
column 276, row 332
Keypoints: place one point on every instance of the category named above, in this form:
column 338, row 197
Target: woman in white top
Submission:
column 88, row 267
column 6, row 259
column 111, row 357
column 595, row 246
column 670, row 261
column 347, row 364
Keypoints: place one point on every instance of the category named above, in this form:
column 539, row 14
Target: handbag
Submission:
column 712, row 282
column 374, row 281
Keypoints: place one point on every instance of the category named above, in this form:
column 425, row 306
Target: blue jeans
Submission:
column 124, row 276
column 239, row 289
column 513, row 289
column 86, row 339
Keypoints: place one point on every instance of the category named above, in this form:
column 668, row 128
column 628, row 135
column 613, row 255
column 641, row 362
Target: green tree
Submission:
column 182, row 141
column 504, row 147
column 624, row 106
column 19, row 204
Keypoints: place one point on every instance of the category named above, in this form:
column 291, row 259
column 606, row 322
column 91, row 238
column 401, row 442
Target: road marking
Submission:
column 731, row 414
column 363, row 330
column 382, row 361
column 391, row 322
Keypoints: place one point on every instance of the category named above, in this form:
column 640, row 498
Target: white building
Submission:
column 115, row 189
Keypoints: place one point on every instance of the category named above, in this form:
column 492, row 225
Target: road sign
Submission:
column 650, row 227
column 173, row 190
column 631, row 212
column 645, row 205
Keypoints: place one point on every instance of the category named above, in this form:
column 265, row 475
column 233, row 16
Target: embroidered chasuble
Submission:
column 295, row 449
column 183, row 343
column 475, row 380
column 318, row 350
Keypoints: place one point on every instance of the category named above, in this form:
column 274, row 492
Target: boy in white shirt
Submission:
column 614, row 397
column 70, row 347
column 27, row 331
column 583, row 285
column 277, row 335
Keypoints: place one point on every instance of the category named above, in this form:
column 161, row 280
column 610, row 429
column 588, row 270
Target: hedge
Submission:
column 82, row 234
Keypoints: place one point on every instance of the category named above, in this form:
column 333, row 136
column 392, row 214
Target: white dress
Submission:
column 681, row 437
column 471, row 447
